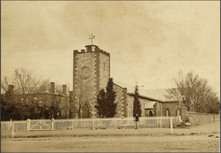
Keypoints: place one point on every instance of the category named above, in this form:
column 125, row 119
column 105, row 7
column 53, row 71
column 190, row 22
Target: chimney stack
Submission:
column 52, row 87
column 64, row 89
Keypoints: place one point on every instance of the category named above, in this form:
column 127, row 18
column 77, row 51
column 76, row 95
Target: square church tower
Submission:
column 91, row 73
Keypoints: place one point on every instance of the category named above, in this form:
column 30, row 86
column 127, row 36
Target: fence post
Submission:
column 93, row 123
column 13, row 130
column 52, row 124
column 28, row 124
column 10, row 124
column 115, row 124
column 171, row 125
column 213, row 118
column 160, row 122
column 67, row 125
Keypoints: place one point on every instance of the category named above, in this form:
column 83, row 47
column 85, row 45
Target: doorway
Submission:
column 85, row 111
column 150, row 113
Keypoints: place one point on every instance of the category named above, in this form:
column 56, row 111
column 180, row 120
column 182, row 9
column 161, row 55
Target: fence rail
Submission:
column 97, row 123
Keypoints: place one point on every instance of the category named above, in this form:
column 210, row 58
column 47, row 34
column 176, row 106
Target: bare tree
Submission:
column 196, row 91
column 25, row 85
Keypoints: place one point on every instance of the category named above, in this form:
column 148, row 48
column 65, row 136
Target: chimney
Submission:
column 52, row 87
column 11, row 87
column 64, row 89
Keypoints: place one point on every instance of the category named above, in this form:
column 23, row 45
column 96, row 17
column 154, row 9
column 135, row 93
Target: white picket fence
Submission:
column 97, row 123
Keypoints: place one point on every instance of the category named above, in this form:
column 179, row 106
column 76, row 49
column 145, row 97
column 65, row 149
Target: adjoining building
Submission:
column 48, row 102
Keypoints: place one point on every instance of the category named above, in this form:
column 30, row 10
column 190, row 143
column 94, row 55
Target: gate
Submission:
column 40, row 125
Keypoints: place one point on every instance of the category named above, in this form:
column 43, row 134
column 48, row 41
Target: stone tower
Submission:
column 91, row 74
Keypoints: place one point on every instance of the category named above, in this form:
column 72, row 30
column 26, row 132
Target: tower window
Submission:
column 104, row 66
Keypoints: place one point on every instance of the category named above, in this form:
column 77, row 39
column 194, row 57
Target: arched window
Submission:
column 177, row 112
column 167, row 112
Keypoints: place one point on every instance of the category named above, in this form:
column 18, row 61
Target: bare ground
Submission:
column 113, row 144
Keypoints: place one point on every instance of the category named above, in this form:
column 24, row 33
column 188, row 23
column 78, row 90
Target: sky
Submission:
column 149, row 41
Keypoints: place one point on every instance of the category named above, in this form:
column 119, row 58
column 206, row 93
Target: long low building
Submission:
column 153, row 102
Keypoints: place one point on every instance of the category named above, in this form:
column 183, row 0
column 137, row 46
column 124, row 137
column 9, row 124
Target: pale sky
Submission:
column 149, row 42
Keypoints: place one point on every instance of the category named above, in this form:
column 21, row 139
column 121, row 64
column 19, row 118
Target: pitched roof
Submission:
column 154, row 94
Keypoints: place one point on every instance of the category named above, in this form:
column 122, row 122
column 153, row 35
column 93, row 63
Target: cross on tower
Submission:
column 91, row 37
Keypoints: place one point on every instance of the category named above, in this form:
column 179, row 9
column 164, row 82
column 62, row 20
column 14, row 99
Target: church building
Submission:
column 91, row 72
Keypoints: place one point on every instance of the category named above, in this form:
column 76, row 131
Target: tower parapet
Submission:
column 91, row 49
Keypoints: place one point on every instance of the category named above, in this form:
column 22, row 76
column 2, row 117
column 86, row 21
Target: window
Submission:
column 104, row 66
column 178, row 112
column 167, row 112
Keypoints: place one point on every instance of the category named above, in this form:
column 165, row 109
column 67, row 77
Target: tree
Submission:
column 25, row 84
column 111, row 106
column 101, row 101
column 197, row 94
column 137, row 106
column 106, row 105
column 19, row 102
column 8, row 106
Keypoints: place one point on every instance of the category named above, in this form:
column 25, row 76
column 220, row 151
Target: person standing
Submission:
column 187, row 122
column 136, row 120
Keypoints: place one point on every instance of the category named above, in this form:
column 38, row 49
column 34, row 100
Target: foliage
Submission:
column 11, row 109
column 111, row 106
column 197, row 94
column 106, row 105
column 101, row 100
column 137, row 106
column 23, row 101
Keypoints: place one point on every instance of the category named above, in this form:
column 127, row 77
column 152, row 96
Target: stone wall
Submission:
column 104, row 69
column 121, row 99
column 202, row 118
column 172, row 108
column 157, row 109
column 84, row 85
column 143, row 101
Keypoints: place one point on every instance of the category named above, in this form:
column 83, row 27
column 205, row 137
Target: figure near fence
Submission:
column 136, row 121
column 187, row 122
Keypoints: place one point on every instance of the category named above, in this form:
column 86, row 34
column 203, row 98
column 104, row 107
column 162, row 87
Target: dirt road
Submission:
column 113, row 144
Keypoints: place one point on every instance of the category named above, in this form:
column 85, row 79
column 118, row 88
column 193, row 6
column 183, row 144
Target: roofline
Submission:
column 54, row 94
column 145, row 97
column 119, row 86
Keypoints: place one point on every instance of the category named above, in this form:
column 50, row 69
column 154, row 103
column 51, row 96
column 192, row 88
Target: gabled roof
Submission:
column 160, row 94
column 155, row 94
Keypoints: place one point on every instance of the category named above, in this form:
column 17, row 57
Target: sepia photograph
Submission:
column 110, row 76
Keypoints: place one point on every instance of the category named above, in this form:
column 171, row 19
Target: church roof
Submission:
column 155, row 94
